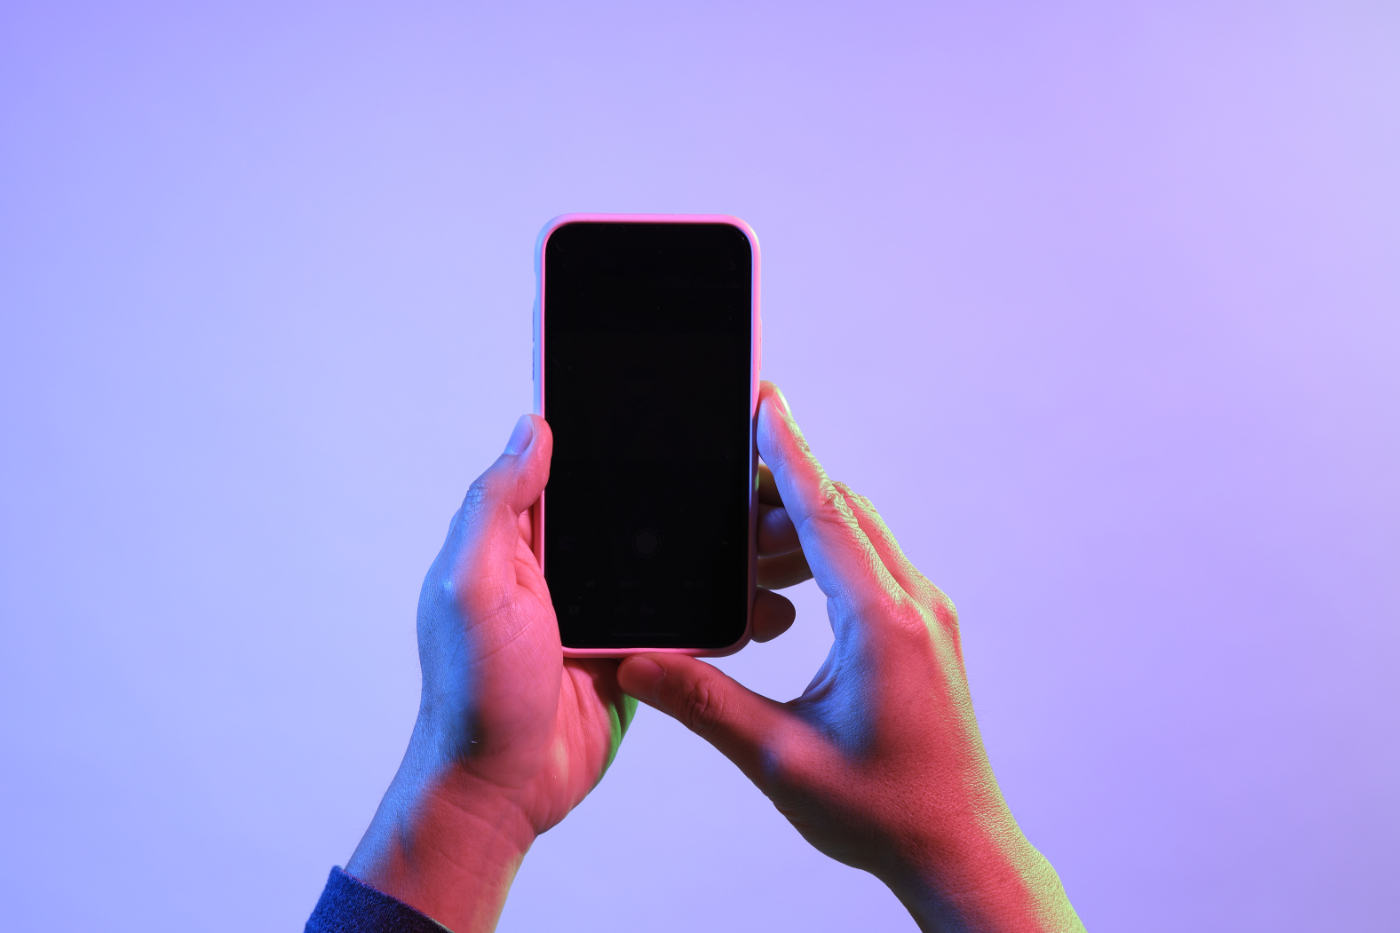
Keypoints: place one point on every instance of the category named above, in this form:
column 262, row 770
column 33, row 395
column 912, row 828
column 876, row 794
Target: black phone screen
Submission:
column 647, row 332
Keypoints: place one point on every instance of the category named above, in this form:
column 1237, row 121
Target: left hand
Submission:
column 510, row 735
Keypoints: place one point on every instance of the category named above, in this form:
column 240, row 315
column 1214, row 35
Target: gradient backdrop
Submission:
column 1099, row 302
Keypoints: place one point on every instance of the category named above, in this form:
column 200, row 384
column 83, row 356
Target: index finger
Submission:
column 844, row 563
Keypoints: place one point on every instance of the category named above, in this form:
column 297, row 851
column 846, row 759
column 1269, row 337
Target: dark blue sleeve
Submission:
column 348, row 905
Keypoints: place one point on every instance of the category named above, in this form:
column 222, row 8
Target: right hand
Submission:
column 879, row 763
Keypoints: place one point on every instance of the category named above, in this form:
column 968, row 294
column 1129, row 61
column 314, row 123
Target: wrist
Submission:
column 445, row 843
column 989, row 878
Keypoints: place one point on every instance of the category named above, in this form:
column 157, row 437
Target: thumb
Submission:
column 482, row 539
column 740, row 723
column 523, row 468
column 513, row 483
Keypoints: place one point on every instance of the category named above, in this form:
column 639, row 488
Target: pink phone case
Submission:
column 756, row 342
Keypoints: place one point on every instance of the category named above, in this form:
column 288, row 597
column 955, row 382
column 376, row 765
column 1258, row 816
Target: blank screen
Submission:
column 647, row 367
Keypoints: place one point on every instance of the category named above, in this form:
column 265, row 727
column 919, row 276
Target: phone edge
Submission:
column 755, row 370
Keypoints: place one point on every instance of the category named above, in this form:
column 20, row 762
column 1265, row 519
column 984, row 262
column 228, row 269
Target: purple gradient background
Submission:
column 1099, row 302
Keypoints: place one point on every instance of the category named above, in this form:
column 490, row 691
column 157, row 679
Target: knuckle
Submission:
column 486, row 496
column 831, row 498
column 943, row 609
column 439, row 597
column 828, row 510
column 446, row 589
column 906, row 615
column 780, row 766
column 900, row 615
column 444, row 585
column 478, row 493
column 775, row 770
column 701, row 706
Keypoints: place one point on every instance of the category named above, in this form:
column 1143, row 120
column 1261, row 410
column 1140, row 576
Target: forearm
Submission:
column 443, row 844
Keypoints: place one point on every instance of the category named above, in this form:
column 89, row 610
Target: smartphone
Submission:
column 647, row 352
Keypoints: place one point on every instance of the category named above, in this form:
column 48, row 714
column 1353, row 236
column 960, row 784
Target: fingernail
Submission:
column 522, row 435
column 782, row 401
column 645, row 677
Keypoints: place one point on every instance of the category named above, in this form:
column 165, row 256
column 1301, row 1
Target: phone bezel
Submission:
column 755, row 363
